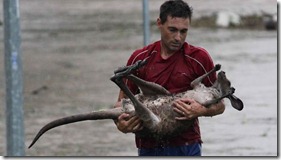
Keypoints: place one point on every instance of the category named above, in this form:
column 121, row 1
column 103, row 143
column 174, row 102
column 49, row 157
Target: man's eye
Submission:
column 183, row 31
column 172, row 30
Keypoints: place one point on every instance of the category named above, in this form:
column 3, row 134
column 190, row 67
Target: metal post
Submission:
column 146, row 29
column 13, row 70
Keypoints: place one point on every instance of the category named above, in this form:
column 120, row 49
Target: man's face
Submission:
column 173, row 32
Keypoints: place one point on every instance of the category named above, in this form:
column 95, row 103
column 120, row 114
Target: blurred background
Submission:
column 70, row 49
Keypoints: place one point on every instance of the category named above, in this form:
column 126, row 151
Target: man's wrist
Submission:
column 203, row 112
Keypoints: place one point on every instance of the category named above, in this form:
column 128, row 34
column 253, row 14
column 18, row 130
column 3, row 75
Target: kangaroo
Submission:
column 154, row 104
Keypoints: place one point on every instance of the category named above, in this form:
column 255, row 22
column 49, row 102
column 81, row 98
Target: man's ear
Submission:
column 159, row 24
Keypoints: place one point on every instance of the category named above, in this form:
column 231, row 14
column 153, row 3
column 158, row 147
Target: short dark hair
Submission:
column 174, row 8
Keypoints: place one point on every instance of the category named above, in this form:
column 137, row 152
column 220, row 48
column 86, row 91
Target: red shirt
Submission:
column 175, row 74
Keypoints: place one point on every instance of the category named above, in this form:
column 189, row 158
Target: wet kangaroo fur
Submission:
column 154, row 104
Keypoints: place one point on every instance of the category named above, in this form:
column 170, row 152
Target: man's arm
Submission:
column 190, row 109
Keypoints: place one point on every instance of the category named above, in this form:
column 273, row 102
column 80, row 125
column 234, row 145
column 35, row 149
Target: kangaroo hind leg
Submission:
column 149, row 118
column 148, row 88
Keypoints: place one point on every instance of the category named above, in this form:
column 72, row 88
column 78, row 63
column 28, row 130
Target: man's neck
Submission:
column 165, row 53
column 166, row 56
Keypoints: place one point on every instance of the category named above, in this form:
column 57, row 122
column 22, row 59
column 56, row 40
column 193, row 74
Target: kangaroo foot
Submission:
column 127, row 70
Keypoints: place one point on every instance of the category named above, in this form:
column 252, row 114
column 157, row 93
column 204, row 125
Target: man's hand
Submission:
column 188, row 108
column 126, row 124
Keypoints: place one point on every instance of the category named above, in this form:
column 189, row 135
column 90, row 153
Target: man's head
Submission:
column 173, row 23
column 175, row 8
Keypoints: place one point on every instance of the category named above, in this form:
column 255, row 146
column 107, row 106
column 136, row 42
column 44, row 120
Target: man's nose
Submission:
column 178, row 36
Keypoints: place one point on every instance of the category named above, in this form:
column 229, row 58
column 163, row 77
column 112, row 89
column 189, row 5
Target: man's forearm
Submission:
column 214, row 109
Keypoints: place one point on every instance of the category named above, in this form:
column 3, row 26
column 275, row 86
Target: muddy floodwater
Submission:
column 70, row 49
column 250, row 61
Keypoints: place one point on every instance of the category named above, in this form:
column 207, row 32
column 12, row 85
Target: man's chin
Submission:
column 175, row 48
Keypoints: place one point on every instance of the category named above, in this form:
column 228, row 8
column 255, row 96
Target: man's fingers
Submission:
column 187, row 100
column 137, row 127
column 177, row 105
column 179, row 111
column 134, row 121
column 133, row 124
column 123, row 116
column 183, row 107
column 181, row 118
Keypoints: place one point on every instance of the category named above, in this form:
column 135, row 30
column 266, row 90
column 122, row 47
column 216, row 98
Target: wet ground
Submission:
column 70, row 49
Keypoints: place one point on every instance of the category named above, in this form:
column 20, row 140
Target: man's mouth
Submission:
column 175, row 44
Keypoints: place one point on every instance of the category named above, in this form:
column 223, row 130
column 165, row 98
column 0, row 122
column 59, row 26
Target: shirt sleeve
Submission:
column 204, row 65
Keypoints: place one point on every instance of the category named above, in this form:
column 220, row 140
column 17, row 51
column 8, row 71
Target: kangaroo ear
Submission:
column 236, row 102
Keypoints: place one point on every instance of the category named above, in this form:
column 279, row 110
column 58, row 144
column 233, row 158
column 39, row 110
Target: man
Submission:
column 174, row 64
